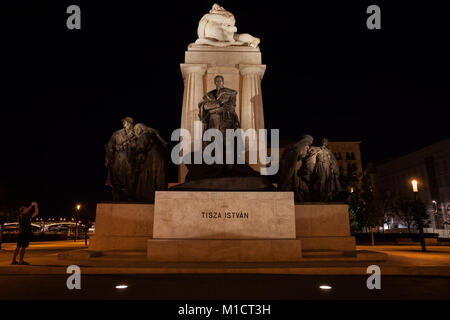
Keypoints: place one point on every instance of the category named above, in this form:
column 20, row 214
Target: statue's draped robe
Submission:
column 291, row 164
column 121, row 165
column 311, row 172
column 152, row 166
column 217, row 110
column 326, row 175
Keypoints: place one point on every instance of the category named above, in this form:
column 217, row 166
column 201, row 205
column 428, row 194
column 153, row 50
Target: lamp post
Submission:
column 415, row 189
column 77, row 207
column 434, row 215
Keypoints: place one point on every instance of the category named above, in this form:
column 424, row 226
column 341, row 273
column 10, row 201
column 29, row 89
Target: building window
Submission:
column 350, row 155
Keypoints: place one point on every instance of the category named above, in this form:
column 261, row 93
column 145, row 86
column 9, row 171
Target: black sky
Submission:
column 64, row 92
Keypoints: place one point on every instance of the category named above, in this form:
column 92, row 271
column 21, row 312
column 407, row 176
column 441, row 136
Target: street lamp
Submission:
column 78, row 207
column 434, row 214
column 415, row 189
column 415, row 186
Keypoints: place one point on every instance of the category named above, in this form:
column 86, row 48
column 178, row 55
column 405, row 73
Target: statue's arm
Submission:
column 157, row 137
column 110, row 147
column 233, row 99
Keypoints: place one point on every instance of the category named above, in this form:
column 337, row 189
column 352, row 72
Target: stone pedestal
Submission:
column 224, row 226
column 275, row 229
column 122, row 227
column 224, row 215
column 242, row 71
column 323, row 226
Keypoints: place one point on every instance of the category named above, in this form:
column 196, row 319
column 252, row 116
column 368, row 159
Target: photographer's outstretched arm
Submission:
column 36, row 209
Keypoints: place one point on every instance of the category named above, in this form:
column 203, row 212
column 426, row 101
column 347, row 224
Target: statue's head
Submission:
column 216, row 9
column 139, row 129
column 127, row 123
column 308, row 138
column 324, row 142
column 219, row 81
column 22, row 209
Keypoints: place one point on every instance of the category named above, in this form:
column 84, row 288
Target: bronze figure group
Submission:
column 136, row 162
column 312, row 172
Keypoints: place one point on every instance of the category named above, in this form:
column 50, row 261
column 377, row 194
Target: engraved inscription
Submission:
column 224, row 215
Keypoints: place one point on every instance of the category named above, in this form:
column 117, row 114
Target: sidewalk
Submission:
column 393, row 260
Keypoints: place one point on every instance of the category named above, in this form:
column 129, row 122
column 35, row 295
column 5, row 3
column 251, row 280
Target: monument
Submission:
column 209, row 220
column 218, row 51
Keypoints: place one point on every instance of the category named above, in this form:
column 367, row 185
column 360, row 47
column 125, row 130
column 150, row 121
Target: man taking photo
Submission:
column 25, row 233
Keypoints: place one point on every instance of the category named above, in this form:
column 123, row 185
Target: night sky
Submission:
column 63, row 92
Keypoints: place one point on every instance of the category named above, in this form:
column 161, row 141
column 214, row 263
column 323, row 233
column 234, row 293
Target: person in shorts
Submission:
column 25, row 232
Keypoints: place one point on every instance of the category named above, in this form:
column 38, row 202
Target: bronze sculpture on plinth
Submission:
column 217, row 109
column 312, row 172
column 136, row 162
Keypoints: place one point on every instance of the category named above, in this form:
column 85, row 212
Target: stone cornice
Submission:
column 187, row 68
column 248, row 69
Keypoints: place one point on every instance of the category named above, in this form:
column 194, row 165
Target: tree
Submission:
column 349, row 182
column 365, row 205
column 354, row 211
column 373, row 204
column 406, row 211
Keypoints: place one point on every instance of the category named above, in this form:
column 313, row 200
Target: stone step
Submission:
column 125, row 253
column 321, row 253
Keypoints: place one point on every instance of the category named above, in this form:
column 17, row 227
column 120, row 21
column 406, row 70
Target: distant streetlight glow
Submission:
column 78, row 206
column 414, row 185
column 325, row 287
column 121, row 286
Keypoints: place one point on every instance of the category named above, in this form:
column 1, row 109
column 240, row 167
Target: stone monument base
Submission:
column 122, row 226
column 324, row 226
column 224, row 250
column 319, row 228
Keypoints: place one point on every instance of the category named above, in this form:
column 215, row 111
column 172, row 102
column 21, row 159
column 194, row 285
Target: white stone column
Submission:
column 252, row 113
column 194, row 90
column 193, row 76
